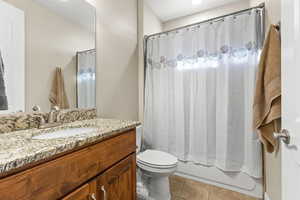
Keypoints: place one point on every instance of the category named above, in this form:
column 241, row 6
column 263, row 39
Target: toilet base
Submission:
column 158, row 185
column 159, row 188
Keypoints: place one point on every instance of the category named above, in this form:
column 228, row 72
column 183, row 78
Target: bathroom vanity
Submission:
column 99, row 164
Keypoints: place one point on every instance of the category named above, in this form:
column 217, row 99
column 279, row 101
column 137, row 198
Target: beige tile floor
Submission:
column 186, row 189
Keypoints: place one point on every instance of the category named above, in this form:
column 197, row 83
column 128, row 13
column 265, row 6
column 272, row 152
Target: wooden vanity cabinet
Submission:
column 118, row 182
column 101, row 171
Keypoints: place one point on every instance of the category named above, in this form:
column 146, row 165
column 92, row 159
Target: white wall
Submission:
column 272, row 161
column 50, row 41
column 141, row 70
column 273, row 10
column 117, row 59
column 152, row 24
column 205, row 15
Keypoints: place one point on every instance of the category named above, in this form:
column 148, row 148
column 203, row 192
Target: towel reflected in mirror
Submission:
column 58, row 95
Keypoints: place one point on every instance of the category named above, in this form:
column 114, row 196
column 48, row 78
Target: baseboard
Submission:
column 266, row 197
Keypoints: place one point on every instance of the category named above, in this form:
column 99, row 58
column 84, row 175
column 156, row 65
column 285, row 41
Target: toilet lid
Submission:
column 157, row 158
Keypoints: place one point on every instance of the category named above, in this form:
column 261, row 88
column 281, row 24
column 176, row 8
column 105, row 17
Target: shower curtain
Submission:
column 86, row 79
column 199, row 90
column 3, row 97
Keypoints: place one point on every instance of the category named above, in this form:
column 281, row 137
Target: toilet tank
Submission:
column 139, row 136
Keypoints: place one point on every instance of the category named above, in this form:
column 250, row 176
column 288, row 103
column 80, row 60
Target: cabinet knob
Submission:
column 104, row 192
column 93, row 196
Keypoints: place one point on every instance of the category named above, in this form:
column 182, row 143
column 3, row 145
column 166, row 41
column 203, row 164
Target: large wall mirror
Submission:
column 47, row 54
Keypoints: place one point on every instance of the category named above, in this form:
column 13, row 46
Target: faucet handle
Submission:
column 54, row 111
column 36, row 108
column 42, row 120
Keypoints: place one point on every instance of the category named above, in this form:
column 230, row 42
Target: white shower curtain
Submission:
column 86, row 79
column 199, row 92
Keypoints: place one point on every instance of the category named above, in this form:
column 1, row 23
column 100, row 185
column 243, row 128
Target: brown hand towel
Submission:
column 267, row 101
column 58, row 96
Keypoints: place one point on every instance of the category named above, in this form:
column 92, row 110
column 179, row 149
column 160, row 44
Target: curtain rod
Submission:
column 261, row 6
column 86, row 51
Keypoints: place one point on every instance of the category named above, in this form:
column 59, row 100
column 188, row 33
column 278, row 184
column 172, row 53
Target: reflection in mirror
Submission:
column 12, row 59
column 86, row 79
column 55, row 48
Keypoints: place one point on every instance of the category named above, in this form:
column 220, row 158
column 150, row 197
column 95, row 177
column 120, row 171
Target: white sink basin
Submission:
column 65, row 133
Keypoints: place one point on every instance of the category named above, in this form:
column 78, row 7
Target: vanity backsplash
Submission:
column 23, row 121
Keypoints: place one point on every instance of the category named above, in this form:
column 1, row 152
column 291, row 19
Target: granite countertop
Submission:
column 18, row 149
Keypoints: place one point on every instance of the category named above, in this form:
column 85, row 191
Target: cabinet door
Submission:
column 118, row 182
column 86, row 192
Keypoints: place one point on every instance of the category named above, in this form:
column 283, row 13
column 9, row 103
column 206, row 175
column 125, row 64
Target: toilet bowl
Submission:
column 157, row 166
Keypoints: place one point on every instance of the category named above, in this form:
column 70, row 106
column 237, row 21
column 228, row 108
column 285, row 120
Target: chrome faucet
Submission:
column 52, row 114
column 52, row 121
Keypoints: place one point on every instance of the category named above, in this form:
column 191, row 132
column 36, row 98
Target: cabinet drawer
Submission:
column 54, row 179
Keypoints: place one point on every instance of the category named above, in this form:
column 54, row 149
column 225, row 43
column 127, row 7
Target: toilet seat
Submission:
column 157, row 159
column 156, row 166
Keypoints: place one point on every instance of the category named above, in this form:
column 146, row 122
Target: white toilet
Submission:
column 157, row 166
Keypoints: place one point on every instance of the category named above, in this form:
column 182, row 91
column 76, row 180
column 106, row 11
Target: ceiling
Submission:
column 82, row 12
column 171, row 9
